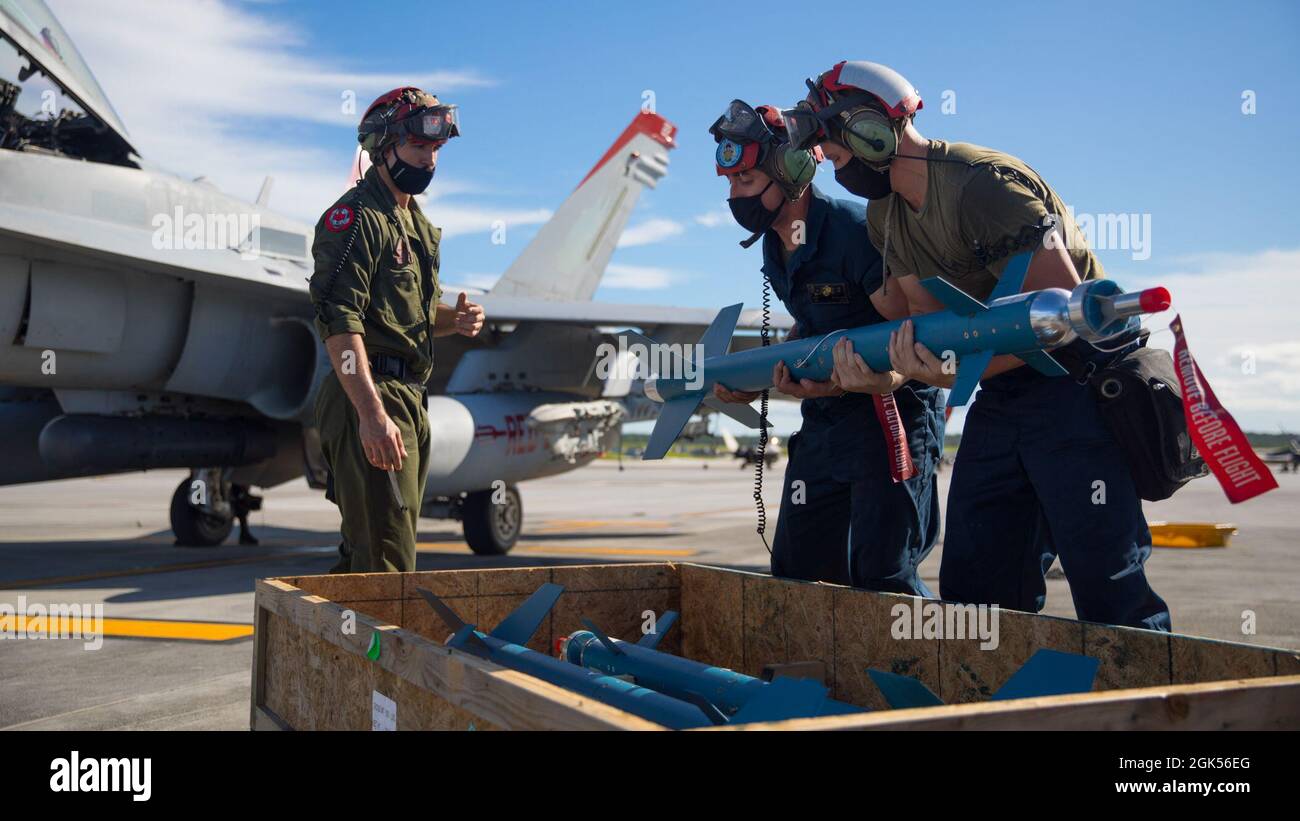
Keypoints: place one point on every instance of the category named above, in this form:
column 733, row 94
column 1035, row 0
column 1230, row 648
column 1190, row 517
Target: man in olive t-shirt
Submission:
column 1038, row 475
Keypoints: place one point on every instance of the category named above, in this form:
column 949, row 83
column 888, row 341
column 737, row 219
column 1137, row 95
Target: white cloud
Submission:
column 650, row 231
column 1238, row 311
column 712, row 219
column 198, row 81
column 638, row 277
column 458, row 218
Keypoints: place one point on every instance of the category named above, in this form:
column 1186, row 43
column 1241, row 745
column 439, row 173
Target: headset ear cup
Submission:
column 870, row 135
column 800, row 167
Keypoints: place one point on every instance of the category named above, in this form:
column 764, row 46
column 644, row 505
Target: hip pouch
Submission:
column 1140, row 397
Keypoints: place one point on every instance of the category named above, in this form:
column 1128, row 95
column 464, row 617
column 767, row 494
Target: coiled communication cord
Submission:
column 347, row 246
column 761, row 451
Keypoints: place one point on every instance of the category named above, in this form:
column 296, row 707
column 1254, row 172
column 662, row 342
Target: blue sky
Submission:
column 1125, row 108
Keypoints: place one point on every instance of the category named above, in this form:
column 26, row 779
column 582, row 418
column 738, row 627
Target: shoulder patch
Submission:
column 339, row 218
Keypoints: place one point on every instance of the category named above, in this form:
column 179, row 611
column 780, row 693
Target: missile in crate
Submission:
column 1011, row 322
column 726, row 696
column 692, row 694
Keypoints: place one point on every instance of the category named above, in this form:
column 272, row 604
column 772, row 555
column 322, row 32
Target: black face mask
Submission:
column 860, row 179
column 751, row 214
column 409, row 179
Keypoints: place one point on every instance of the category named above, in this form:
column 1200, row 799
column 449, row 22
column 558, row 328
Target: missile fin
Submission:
column 953, row 298
column 662, row 625
column 1050, row 673
column 969, row 370
column 674, row 416
column 903, row 692
column 717, row 338
column 637, row 335
column 463, row 637
column 467, row 639
column 1012, row 280
column 744, row 414
column 710, row 710
column 523, row 621
column 602, row 638
column 1043, row 362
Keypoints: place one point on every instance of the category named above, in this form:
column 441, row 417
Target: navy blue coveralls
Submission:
column 1039, row 474
column 843, row 519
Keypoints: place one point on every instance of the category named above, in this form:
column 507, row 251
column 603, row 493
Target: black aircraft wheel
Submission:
column 492, row 528
column 193, row 527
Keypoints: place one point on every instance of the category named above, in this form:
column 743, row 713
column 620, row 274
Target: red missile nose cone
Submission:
column 1155, row 300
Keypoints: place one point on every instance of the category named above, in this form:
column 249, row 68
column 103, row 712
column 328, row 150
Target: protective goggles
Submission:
column 808, row 125
column 741, row 135
column 740, row 123
column 436, row 124
column 804, row 127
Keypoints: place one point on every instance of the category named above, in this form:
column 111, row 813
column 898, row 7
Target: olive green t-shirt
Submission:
column 979, row 212
column 376, row 274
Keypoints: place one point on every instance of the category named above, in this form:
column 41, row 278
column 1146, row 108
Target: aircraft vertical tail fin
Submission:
column 567, row 257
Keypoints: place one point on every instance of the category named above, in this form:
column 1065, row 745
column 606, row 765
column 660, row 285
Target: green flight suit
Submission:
column 376, row 274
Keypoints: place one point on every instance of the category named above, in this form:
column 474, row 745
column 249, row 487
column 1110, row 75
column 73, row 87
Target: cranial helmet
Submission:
column 406, row 113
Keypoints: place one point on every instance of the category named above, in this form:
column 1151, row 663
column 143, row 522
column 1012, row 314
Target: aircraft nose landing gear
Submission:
column 492, row 520
column 205, row 506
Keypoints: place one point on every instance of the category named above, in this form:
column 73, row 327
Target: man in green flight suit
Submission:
column 375, row 290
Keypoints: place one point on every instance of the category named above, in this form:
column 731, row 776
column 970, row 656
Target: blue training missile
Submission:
column 727, row 696
column 1023, row 324
column 506, row 646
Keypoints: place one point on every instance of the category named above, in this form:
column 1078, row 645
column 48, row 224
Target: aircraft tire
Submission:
column 192, row 527
column 492, row 529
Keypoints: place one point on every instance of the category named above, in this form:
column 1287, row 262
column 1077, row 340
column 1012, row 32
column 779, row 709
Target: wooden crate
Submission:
column 311, row 672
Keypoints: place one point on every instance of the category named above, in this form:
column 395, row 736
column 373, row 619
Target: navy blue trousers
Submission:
column 1038, row 475
column 843, row 519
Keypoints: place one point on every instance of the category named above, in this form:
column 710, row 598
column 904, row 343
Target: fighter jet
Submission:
column 1287, row 458
column 748, row 454
column 148, row 321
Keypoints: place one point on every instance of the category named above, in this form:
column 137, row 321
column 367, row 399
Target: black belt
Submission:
column 382, row 364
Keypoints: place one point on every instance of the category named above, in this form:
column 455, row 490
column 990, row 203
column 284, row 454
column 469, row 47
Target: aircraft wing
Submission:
column 577, row 312
column 114, row 242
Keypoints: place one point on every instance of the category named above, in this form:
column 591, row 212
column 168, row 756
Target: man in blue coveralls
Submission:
column 860, row 502
column 1038, row 472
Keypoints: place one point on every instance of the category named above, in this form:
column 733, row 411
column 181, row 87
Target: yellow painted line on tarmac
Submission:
column 124, row 628
column 453, row 547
